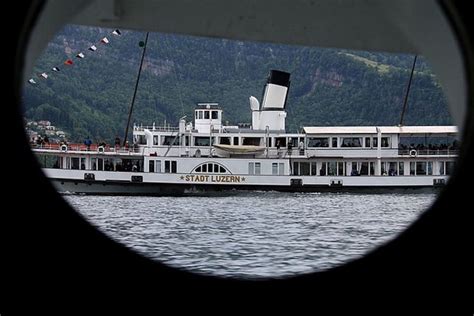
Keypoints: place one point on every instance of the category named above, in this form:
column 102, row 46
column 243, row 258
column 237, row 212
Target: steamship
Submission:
column 205, row 155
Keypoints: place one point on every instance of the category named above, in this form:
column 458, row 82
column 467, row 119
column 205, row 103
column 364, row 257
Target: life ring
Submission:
column 63, row 147
column 101, row 149
column 413, row 153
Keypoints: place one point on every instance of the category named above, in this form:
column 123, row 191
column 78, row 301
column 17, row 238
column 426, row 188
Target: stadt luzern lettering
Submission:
column 209, row 178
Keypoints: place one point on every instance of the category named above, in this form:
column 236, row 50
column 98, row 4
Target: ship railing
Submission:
column 157, row 128
column 81, row 147
column 428, row 152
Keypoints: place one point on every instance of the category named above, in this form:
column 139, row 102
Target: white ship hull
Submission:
column 184, row 184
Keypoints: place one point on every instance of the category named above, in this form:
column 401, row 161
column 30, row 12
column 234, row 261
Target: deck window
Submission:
column 170, row 166
column 354, row 169
column 429, row 168
column 151, row 166
column 74, row 163
column 401, row 168
column 202, row 141
column 340, row 168
column 421, row 168
column 392, row 169
column 206, row 115
column 332, row 168
column 372, row 168
column 293, row 141
column 278, row 168
column 313, row 168
column 224, row 140
column 214, row 115
column 174, row 166
column 251, row 141
column 304, row 168
column 323, row 171
column 364, row 169
column 318, row 142
column 367, row 142
column 385, row 142
column 351, row 142
column 257, row 168
column 210, row 168
column 254, row 168
column 155, row 139
column 280, row 142
column 334, row 142
column 170, row 140
column 412, row 168
column 158, row 166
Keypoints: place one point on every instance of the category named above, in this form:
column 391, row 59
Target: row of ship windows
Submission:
column 206, row 114
column 277, row 142
column 330, row 168
column 393, row 168
column 302, row 142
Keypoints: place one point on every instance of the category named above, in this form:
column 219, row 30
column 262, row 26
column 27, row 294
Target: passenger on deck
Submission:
column 117, row 143
column 88, row 143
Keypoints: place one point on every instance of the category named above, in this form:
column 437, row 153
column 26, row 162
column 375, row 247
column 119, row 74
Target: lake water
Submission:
column 256, row 234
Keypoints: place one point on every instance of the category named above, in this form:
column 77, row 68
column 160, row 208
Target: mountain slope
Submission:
column 328, row 86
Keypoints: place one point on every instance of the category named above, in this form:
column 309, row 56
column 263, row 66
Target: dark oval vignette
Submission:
column 53, row 246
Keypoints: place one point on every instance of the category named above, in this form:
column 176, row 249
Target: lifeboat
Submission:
column 240, row 150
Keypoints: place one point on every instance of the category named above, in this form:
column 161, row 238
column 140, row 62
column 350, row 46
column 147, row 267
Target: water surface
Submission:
column 257, row 234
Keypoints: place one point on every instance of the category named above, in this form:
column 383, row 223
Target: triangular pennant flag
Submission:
column 32, row 81
column 80, row 55
column 105, row 40
column 93, row 48
column 55, row 69
column 44, row 75
column 68, row 62
column 117, row 32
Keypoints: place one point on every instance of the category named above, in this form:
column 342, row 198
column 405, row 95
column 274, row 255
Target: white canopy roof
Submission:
column 383, row 129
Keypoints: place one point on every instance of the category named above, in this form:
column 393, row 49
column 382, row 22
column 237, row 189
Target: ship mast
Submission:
column 405, row 102
column 136, row 87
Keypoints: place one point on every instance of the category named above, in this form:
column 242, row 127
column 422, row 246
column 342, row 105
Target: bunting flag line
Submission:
column 80, row 55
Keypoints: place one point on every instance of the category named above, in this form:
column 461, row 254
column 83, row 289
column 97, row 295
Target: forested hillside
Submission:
column 328, row 86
